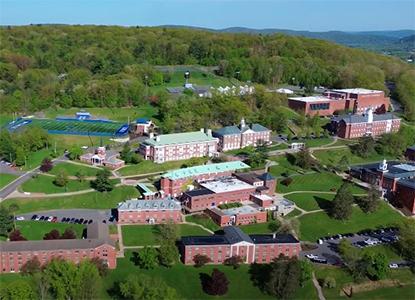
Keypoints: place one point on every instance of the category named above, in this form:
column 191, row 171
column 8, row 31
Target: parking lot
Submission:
column 71, row 214
column 327, row 253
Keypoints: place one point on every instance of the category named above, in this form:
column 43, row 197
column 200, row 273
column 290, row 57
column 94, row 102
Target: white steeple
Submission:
column 383, row 166
column 243, row 123
column 369, row 112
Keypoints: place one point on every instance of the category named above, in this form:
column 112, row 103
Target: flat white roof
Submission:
column 246, row 209
column 357, row 91
column 263, row 196
column 311, row 99
column 227, row 184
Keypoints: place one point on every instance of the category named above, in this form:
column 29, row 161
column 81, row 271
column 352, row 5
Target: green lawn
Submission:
column 294, row 213
column 318, row 142
column 256, row 228
column 186, row 280
column 283, row 167
column 5, row 179
column 35, row 230
column 44, row 184
column 388, row 250
column 34, row 159
column 116, row 114
column 323, row 182
column 311, row 201
column 148, row 166
column 93, row 200
column 71, row 169
column 141, row 235
column 203, row 220
column 280, row 146
column 316, row 225
column 343, row 278
column 333, row 157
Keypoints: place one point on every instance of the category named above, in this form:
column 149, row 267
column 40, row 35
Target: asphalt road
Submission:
column 90, row 214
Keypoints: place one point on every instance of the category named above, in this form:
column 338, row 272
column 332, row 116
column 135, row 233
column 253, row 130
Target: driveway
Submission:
column 89, row 214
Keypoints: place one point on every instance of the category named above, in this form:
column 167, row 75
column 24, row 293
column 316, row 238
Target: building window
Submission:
column 320, row 106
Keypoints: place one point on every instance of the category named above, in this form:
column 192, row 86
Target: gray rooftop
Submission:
column 157, row 204
column 395, row 169
column 97, row 235
column 408, row 183
column 349, row 119
column 231, row 130
column 235, row 235
column 226, row 184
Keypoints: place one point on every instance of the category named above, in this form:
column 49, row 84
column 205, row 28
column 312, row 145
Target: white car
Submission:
column 393, row 266
column 37, row 218
column 19, row 218
column 311, row 256
column 371, row 242
column 50, row 219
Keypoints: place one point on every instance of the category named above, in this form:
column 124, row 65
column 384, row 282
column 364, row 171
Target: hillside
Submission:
column 87, row 66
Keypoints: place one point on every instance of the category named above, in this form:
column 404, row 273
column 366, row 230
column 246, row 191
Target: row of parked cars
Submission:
column 334, row 237
column 63, row 220
column 316, row 259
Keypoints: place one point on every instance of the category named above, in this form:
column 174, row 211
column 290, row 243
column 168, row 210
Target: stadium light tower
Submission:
column 187, row 76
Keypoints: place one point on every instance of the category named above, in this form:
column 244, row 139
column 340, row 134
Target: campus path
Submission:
column 318, row 287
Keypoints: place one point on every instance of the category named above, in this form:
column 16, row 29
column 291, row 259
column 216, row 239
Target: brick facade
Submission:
column 236, row 216
column 355, row 130
column 405, row 194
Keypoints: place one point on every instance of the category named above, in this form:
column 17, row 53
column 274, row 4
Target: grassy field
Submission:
column 93, row 200
column 294, row 213
column 316, row 225
column 186, row 280
column 203, row 220
column 342, row 278
column 256, row 228
column 116, row 114
column 148, row 166
column 141, row 235
column 35, row 158
column 44, row 184
column 323, row 182
column 72, row 169
column 334, row 156
column 311, row 201
column 283, row 167
column 387, row 250
column 5, row 179
column 318, row 142
column 35, row 230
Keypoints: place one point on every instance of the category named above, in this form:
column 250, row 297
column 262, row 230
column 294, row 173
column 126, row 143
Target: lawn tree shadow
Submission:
column 322, row 203
column 204, row 281
column 114, row 292
column 290, row 158
column 259, row 275
column 135, row 258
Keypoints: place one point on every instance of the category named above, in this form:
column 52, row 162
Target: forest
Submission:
column 45, row 66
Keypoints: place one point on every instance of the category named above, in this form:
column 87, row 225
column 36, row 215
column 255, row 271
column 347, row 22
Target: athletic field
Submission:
column 73, row 126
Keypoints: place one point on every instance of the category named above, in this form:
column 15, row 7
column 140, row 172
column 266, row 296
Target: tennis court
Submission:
column 73, row 126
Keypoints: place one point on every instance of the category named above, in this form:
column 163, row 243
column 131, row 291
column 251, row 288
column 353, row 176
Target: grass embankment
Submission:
column 319, row 224
column 45, row 184
column 92, row 200
column 5, row 179
column 148, row 166
column 35, row 230
column 142, row 235
column 320, row 182
column 203, row 220
column 311, row 201
column 72, row 169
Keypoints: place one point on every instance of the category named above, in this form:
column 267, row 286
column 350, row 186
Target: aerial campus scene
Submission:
column 212, row 149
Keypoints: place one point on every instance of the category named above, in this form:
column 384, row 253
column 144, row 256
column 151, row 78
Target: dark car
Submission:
column 81, row 220
column 104, row 221
column 42, row 218
column 85, row 222
column 319, row 260
column 55, row 219
column 34, row 217
column 90, row 221
column 111, row 219
column 72, row 220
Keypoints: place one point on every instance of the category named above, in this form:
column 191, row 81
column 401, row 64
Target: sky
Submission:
column 312, row 15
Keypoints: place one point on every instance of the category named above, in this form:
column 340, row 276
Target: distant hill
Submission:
column 380, row 41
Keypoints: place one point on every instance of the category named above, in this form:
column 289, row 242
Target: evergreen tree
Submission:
column 217, row 283
column 6, row 221
column 102, row 183
column 342, row 205
column 371, row 202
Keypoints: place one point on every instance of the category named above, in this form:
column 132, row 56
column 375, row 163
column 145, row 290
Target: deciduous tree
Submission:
column 342, row 205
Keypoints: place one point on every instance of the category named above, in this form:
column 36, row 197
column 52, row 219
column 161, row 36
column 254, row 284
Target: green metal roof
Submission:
column 205, row 169
column 179, row 138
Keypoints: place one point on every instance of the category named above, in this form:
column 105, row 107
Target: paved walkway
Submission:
column 318, row 288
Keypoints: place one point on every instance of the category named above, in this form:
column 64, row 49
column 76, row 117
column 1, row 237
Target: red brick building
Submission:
column 13, row 255
column 243, row 135
column 149, row 211
column 410, row 153
column 237, row 188
column 243, row 215
column 102, row 157
column 405, row 194
column 369, row 124
column 261, row 248
column 395, row 179
column 174, row 183
column 179, row 146
column 355, row 100
column 143, row 126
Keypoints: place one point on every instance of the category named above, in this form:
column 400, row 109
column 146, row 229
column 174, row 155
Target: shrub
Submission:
column 234, row 261
column 16, row 235
column 216, row 284
column 287, row 181
column 329, row 282
column 200, row 260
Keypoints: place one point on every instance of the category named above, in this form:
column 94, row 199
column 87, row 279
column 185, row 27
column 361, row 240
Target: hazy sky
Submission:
column 317, row 15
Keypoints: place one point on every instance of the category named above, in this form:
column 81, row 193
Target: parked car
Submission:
column 41, row 218
column 319, row 260
column 19, row 218
column 85, row 222
column 49, row 219
column 72, row 220
column 90, row 221
column 81, row 220
column 311, row 256
column 34, row 217
column 393, row 266
column 54, row 219
column 63, row 220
